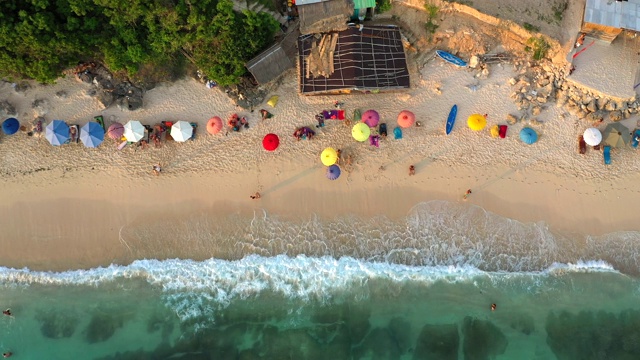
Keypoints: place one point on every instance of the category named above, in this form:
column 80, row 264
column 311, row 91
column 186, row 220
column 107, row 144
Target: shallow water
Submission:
column 419, row 288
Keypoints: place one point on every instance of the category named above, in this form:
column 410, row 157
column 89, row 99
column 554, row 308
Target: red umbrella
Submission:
column 115, row 131
column 214, row 125
column 270, row 142
column 371, row 118
column 406, row 119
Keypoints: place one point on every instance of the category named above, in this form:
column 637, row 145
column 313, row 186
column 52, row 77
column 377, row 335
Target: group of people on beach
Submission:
column 304, row 133
column 236, row 123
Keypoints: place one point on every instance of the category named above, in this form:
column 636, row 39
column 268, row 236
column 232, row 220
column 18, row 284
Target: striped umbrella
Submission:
column 91, row 134
column 57, row 132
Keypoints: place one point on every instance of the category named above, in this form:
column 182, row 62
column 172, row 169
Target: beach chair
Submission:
column 100, row 120
column 195, row 127
column 635, row 138
column 502, row 131
column 397, row 133
column 582, row 145
column 382, row 129
column 167, row 133
column 607, row 154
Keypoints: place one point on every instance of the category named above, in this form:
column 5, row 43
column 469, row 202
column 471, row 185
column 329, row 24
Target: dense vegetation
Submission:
column 40, row 38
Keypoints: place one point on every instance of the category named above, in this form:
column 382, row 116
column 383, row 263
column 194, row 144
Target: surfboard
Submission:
column 452, row 118
column 450, row 58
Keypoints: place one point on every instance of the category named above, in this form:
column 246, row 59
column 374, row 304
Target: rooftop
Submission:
column 617, row 14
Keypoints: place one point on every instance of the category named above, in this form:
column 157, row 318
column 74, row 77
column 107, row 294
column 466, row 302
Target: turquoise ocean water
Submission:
column 415, row 288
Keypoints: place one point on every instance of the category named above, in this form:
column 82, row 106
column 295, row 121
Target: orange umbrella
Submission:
column 214, row 125
column 406, row 119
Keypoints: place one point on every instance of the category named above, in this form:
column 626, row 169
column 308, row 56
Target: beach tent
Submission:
column 406, row 119
column 371, row 118
column 329, row 156
column 476, row 122
column 273, row 101
column 214, row 125
column 181, row 131
column 10, row 126
column 133, row 131
column 592, row 136
column 91, row 134
column 616, row 135
column 361, row 132
column 528, row 135
column 57, row 132
column 270, row 142
column 115, row 131
column 333, row 172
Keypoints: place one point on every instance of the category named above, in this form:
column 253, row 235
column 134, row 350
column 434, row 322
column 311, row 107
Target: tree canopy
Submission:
column 40, row 38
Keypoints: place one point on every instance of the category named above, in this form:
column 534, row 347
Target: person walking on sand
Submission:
column 412, row 170
column 467, row 194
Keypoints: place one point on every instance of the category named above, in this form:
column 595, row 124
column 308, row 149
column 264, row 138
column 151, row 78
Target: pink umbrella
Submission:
column 406, row 119
column 214, row 125
column 371, row 118
column 115, row 131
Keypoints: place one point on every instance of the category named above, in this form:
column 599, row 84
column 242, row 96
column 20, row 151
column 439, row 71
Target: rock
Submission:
column 482, row 340
column 474, row 61
column 573, row 109
column 40, row 106
column 62, row 94
column 56, row 324
column 591, row 106
column 536, row 110
column 103, row 325
column 582, row 113
column 541, row 99
column 401, row 331
column 595, row 116
column 105, row 98
column 511, row 119
column 543, row 82
column 611, row 106
column 615, row 115
column 22, row 87
column 562, row 98
column 379, row 344
column 523, row 323
column 535, row 122
column 601, row 103
column 512, row 81
column 437, row 342
column 129, row 103
column 7, row 108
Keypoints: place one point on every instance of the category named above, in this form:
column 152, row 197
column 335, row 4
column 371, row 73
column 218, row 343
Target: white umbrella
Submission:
column 181, row 131
column 592, row 136
column 133, row 131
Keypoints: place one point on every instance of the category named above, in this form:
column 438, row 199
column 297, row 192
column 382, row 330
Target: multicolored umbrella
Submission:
column 270, row 142
column 592, row 136
column 133, row 131
column 406, row 119
column 57, row 132
column 361, row 132
column 115, row 131
column 91, row 134
column 528, row 135
column 371, row 118
column 181, row 131
column 616, row 135
column 333, row 172
column 10, row 126
column 214, row 125
column 329, row 156
column 476, row 122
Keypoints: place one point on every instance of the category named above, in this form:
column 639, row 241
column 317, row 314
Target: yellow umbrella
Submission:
column 495, row 131
column 329, row 156
column 361, row 132
column 476, row 122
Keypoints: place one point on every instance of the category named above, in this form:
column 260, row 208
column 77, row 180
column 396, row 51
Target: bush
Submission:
column 538, row 46
column 383, row 5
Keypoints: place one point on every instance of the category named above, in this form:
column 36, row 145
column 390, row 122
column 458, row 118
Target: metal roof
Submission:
column 617, row 14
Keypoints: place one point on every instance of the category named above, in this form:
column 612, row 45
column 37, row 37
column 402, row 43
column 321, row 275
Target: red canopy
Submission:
column 214, row 125
column 270, row 142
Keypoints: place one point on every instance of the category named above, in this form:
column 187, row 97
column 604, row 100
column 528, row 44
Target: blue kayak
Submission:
column 452, row 118
column 450, row 58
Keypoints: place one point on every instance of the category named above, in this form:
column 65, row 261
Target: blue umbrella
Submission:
column 91, row 134
column 57, row 132
column 333, row 172
column 528, row 135
column 10, row 126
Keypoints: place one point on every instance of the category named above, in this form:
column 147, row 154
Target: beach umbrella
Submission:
column 115, row 131
column 10, row 126
column 371, row 118
column 91, row 134
column 333, row 172
column 406, row 119
column 616, row 135
column 214, row 125
column 57, row 132
column 476, row 122
column 528, row 135
column 181, row 131
column 329, row 156
column 133, row 131
column 592, row 136
column 361, row 132
column 270, row 142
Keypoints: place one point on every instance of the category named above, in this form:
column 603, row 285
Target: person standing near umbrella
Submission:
column 157, row 169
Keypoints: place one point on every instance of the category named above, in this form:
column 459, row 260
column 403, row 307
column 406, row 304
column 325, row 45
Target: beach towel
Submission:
column 374, row 140
column 333, row 114
column 397, row 133
column 503, row 131
column 382, row 129
column 273, row 101
column 495, row 131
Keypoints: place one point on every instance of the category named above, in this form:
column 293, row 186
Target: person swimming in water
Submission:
column 7, row 354
column 493, row 307
column 7, row 312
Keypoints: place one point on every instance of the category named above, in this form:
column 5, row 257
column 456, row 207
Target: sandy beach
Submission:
column 69, row 206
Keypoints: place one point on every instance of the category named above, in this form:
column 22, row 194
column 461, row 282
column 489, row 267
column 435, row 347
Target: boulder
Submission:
column 616, row 115
column 611, row 106
column 541, row 99
column 22, row 87
column 511, row 119
column 62, row 94
column 105, row 98
column 591, row 106
column 438, row 342
column 536, row 110
column 6, row 108
column 482, row 339
column 602, row 102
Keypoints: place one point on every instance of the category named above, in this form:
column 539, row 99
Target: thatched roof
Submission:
column 269, row 64
column 324, row 16
column 372, row 59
